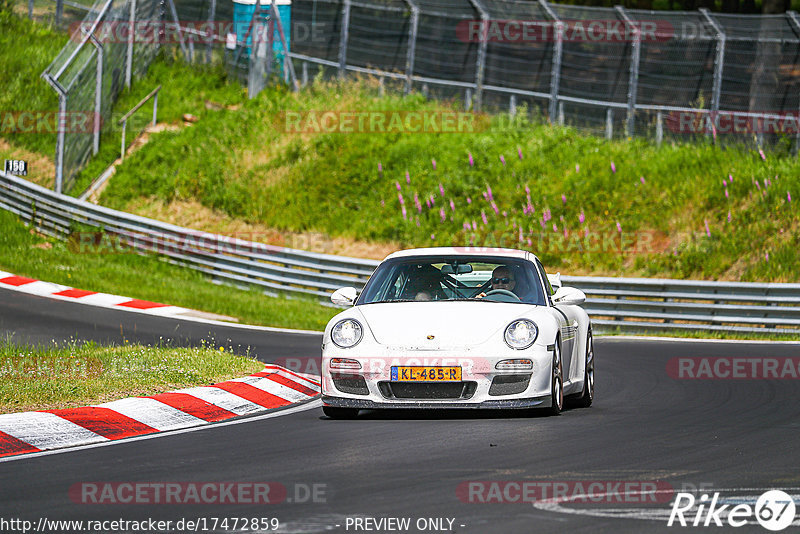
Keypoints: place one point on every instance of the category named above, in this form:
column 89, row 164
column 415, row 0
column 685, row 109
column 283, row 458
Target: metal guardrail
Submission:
column 627, row 304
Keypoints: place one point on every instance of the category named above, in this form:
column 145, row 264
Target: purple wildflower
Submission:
column 527, row 190
column 408, row 178
column 433, row 162
column 397, row 185
column 503, row 160
column 641, row 179
column 494, row 207
column 489, row 192
column 761, row 153
column 577, row 168
column 403, row 209
column 483, row 217
column 708, row 230
column 519, row 153
column 726, row 192
column 555, row 227
column 442, row 214
column 613, row 167
column 563, row 199
column 729, row 216
column 400, row 197
column 474, row 225
column 581, row 217
column 788, row 196
column 452, row 205
column 730, row 177
column 766, row 256
column 433, row 236
column 469, row 200
column 380, row 168
column 441, row 189
column 619, row 227
column 471, row 161
column 724, row 183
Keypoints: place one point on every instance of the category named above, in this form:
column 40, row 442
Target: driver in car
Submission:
column 502, row 278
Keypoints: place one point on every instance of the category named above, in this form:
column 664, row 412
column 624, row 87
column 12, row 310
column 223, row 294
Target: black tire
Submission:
column 340, row 413
column 557, row 382
column 587, row 397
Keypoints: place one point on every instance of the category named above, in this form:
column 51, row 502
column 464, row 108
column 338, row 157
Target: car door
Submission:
column 568, row 321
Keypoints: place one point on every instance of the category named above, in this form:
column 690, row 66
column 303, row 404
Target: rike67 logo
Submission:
column 774, row 510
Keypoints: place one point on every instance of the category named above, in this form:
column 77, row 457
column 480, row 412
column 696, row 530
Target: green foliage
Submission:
column 242, row 163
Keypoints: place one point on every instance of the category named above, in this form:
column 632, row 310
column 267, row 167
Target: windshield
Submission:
column 428, row 278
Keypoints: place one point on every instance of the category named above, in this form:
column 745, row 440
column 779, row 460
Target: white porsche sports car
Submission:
column 457, row 328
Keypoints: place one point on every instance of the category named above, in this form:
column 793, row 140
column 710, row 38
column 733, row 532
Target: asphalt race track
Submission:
column 738, row 437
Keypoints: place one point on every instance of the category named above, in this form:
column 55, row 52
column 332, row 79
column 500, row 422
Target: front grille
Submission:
column 427, row 390
column 509, row 384
column 353, row 384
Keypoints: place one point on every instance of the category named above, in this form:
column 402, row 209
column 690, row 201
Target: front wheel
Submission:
column 340, row 413
column 557, row 382
column 587, row 397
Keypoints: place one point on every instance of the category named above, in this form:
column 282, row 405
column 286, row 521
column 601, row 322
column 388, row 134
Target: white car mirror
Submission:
column 344, row 296
column 569, row 296
column 555, row 280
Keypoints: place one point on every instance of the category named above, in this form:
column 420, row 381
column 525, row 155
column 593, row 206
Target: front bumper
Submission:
column 367, row 404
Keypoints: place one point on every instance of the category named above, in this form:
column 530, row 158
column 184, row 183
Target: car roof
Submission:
column 462, row 251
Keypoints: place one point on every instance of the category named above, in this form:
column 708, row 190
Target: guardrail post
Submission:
column 558, row 50
column 719, row 64
column 305, row 73
column 98, row 94
column 512, row 105
column 411, row 47
column 480, row 64
column 561, row 113
column 131, row 34
column 59, row 11
column 30, row 9
column 155, row 108
column 343, row 36
column 633, row 76
column 609, row 123
column 467, row 98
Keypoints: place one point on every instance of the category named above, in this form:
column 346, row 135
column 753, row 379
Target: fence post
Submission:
column 174, row 13
column 62, row 112
column 59, row 11
column 561, row 113
column 98, row 94
column 796, row 20
column 212, row 13
column 411, row 47
column 131, row 33
column 719, row 64
column 659, row 128
column 30, row 9
column 558, row 50
column 480, row 66
column 345, row 30
column 633, row 77
column 609, row 123
column 305, row 73
column 288, row 65
column 512, row 105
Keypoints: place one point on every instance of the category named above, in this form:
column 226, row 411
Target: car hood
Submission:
column 452, row 324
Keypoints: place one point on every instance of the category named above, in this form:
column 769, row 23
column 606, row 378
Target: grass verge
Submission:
column 26, row 253
column 78, row 375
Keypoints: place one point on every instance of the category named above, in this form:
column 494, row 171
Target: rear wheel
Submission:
column 557, row 382
column 587, row 397
column 340, row 413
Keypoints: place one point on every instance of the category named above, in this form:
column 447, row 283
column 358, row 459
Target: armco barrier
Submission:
column 627, row 304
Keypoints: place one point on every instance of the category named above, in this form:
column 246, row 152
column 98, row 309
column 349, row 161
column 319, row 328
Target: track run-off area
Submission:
column 670, row 417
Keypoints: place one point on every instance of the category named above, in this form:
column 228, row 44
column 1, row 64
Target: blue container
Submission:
column 243, row 11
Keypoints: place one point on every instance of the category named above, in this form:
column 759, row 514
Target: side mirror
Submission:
column 569, row 296
column 555, row 280
column 344, row 296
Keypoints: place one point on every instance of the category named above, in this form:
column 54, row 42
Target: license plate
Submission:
column 426, row 374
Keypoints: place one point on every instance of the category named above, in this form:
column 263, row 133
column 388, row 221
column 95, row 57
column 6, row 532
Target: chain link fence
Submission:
column 612, row 71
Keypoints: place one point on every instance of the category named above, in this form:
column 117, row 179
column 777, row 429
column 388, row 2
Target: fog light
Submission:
column 518, row 364
column 344, row 363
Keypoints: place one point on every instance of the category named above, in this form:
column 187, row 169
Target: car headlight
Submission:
column 347, row 333
column 521, row 334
